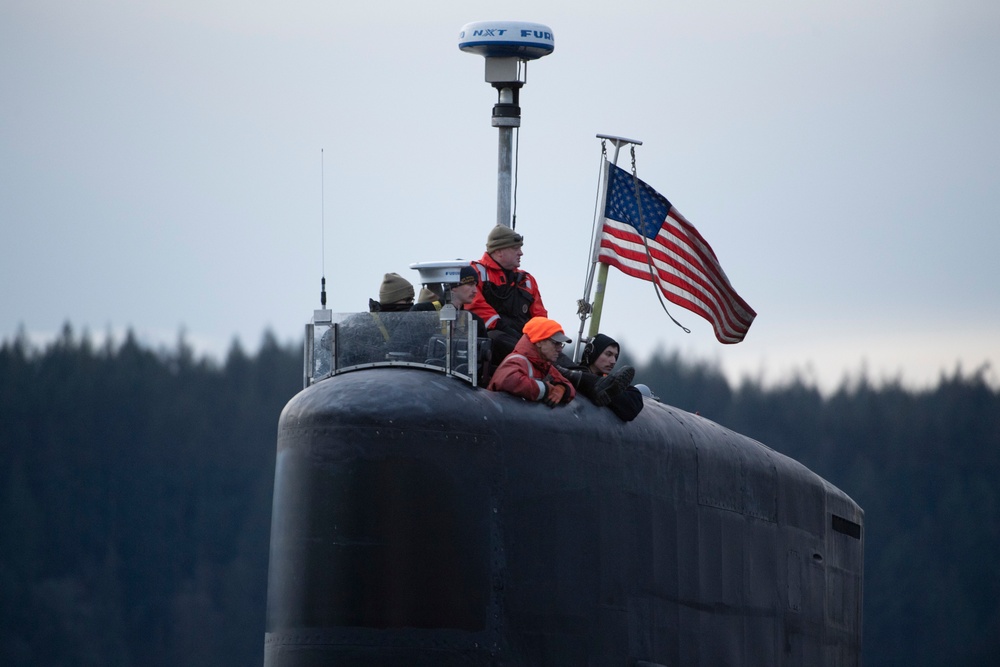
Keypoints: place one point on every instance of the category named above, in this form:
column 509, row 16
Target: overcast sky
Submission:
column 160, row 167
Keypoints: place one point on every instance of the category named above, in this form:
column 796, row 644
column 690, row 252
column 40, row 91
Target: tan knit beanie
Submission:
column 427, row 295
column 394, row 288
column 503, row 237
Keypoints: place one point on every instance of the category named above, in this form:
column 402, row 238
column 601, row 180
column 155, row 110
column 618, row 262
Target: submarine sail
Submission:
column 421, row 520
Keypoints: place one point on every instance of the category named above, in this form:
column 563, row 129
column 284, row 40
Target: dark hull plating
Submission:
column 417, row 521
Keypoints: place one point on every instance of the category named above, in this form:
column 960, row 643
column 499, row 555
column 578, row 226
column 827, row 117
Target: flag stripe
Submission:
column 684, row 281
column 722, row 334
column 688, row 272
column 670, row 255
column 675, row 289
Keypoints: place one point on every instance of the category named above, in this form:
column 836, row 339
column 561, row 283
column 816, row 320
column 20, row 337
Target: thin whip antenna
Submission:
column 517, row 154
column 322, row 227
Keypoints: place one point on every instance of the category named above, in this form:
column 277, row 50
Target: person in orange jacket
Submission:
column 530, row 371
column 507, row 297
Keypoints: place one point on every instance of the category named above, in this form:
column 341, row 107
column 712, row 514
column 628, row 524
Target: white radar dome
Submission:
column 440, row 272
column 507, row 39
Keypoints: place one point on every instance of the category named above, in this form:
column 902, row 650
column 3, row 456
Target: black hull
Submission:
column 417, row 521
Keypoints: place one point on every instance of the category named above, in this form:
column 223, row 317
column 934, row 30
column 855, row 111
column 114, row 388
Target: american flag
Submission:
column 687, row 271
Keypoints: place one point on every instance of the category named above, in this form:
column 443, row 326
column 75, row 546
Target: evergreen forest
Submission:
column 135, row 497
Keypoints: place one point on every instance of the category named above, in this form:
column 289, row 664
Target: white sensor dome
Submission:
column 507, row 39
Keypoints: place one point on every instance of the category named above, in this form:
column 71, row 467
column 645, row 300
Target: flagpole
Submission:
column 602, row 272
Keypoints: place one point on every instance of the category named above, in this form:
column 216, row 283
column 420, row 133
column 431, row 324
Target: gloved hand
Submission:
column 554, row 394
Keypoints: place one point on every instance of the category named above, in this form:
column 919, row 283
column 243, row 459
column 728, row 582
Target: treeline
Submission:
column 136, row 487
column 925, row 468
column 136, row 502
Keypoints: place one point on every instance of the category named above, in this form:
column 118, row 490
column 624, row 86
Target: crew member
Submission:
column 460, row 294
column 597, row 378
column 395, row 295
column 530, row 371
column 507, row 297
column 463, row 293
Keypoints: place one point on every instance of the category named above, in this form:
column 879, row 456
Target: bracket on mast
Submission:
column 619, row 140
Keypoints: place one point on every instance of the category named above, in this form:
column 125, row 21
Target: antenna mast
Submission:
column 507, row 47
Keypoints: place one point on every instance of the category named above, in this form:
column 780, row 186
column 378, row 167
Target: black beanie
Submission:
column 596, row 346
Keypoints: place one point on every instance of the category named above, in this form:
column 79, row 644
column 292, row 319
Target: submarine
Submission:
column 419, row 519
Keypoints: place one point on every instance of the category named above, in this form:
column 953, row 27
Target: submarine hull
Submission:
column 419, row 522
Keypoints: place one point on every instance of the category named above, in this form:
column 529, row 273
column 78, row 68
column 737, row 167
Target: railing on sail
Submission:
column 444, row 342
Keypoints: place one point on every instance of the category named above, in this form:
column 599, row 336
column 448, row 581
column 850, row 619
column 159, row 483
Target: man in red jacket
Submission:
column 530, row 371
column 507, row 297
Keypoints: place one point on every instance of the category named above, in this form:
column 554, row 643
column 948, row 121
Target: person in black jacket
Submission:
column 460, row 294
column 596, row 378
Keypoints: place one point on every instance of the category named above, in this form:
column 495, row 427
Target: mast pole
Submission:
column 507, row 47
column 506, row 116
column 602, row 271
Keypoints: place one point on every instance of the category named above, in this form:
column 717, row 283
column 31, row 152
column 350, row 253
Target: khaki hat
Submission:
column 503, row 237
column 427, row 295
column 538, row 329
column 394, row 288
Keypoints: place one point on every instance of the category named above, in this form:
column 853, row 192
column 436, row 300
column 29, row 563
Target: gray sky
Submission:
column 160, row 167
